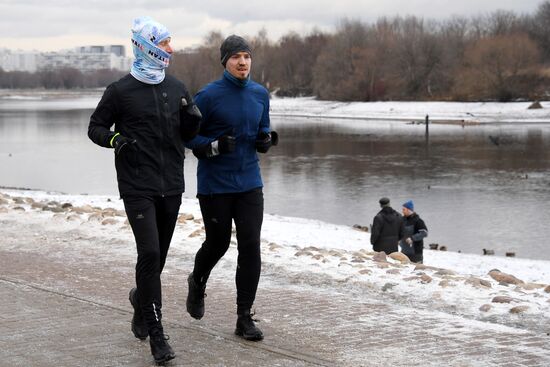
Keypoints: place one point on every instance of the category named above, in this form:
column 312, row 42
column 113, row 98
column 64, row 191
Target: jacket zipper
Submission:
column 161, row 141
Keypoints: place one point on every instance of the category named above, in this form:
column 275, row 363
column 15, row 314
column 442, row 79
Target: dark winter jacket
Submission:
column 387, row 230
column 231, row 109
column 417, row 231
column 150, row 114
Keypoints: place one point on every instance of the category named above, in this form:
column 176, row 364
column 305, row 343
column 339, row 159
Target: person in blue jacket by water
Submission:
column 412, row 243
column 235, row 126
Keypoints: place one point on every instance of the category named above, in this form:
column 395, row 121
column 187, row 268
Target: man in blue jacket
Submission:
column 234, row 128
column 412, row 243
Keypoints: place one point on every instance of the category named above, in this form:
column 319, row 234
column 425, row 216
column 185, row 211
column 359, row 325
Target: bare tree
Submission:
column 291, row 61
column 418, row 57
column 341, row 69
column 261, row 68
column 199, row 66
column 503, row 22
column 494, row 66
column 71, row 78
column 540, row 29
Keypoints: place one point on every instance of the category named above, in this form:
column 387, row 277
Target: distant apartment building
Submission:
column 85, row 58
column 18, row 60
column 118, row 50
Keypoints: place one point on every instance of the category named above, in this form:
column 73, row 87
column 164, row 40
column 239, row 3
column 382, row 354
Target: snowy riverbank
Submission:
column 448, row 112
column 320, row 254
column 309, row 107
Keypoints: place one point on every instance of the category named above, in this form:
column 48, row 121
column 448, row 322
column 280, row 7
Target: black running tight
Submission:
column 153, row 219
column 218, row 212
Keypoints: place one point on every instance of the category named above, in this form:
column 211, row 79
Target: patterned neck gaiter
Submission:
column 150, row 60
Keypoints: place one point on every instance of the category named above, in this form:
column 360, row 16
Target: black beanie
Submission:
column 384, row 202
column 231, row 46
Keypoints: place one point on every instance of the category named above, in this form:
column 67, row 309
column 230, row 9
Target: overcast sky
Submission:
column 52, row 25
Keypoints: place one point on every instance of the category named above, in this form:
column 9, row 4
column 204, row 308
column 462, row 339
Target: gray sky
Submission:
column 52, row 25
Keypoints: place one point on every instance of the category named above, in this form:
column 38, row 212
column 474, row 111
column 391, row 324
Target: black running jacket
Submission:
column 150, row 114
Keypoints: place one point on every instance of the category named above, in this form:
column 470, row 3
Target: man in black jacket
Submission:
column 412, row 243
column 153, row 114
column 387, row 228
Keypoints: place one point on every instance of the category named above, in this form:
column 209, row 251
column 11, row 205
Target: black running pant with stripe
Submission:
column 153, row 219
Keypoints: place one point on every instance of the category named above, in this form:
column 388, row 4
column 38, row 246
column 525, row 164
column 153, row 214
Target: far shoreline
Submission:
column 450, row 113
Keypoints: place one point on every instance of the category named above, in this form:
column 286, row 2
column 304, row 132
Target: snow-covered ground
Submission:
column 326, row 255
column 472, row 112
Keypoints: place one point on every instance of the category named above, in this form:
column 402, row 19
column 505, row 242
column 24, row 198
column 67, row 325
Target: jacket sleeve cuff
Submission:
column 112, row 140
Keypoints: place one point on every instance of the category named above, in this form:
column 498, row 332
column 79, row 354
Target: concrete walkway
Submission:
column 64, row 303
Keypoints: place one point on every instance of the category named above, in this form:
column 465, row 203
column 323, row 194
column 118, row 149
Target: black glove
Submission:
column 190, row 119
column 121, row 141
column 224, row 144
column 274, row 138
column 264, row 141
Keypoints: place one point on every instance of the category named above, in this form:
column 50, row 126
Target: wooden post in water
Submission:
column 427, row 125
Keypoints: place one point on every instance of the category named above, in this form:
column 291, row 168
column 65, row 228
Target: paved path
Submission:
column 64, row 303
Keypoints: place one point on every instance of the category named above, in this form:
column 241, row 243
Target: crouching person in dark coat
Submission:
column 387, row 229
column 412, row 244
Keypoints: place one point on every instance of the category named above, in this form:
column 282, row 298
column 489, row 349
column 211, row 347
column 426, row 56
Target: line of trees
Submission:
column 499, row 56
column 64, row 78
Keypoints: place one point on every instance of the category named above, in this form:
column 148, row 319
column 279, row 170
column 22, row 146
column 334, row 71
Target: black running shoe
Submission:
column 195, row 298
column 246, row 327
column 139, row 328
column 160, row 349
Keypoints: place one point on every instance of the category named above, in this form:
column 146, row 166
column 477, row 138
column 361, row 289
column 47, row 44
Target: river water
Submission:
column 476, row 187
